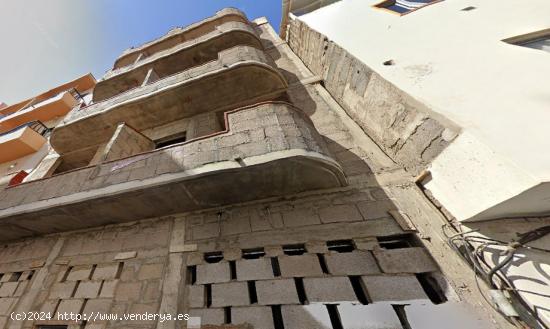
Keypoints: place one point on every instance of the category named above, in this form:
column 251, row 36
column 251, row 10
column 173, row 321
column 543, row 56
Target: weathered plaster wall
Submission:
column 453, row 63
column 402, row 126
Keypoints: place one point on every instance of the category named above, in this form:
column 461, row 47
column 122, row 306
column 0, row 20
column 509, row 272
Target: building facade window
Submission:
column 403, row 7
column 537, row 40
column 171, row 140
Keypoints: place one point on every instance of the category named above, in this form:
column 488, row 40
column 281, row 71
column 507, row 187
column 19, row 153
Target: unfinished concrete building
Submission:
column 227, row 173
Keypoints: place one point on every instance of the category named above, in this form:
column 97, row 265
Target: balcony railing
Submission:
column 179, row 35
column 269, row 149
column 37, row 126
column 178, row 58
column 240, row 76
column 42, row 110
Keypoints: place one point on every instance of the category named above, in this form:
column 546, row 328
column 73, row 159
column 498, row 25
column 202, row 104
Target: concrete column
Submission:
column 46, row 167
column 151, row 77
column 125, row 142
column 172, row 292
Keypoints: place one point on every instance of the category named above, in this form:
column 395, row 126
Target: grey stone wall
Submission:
column 403, row 127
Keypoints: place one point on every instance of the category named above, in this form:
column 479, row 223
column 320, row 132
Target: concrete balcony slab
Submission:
column 181, row 57
column 267, row 150
column 19, row 142
column 178, row 35
column 240, row 76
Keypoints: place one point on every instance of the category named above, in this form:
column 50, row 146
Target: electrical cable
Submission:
column 474, row 256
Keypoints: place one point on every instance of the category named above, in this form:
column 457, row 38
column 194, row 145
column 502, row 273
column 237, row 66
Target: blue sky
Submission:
column 46, row 43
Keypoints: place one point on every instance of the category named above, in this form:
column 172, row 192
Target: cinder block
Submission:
column 6, row 305
column 375, row 209
column 21, row 288
column 313, row 316
column 405, row 260
column 277, row 292
column 128, row 291
column 254, row 269
column 95, row 325
column 96, row 306
column 372, row 316
column 351, row 263
column 108, row 289
column 230, row 294
column 153, row 290
column 88, row 289
column 258, row 317
column 393, row 288
column 365, row 243
column 49, row 306
column 300, row 217
column 195, row 258
column 70, row 305
column 8, row 289
column 196, row 296
column 207, row 316
column 80, row 273
column 232, row 254
column 213, row 273
column 63, row 289
column 333, row 289
column 150, row 271
column 234, row 226
column 105, row 272
column 300, row 266
column 273, row 251
column 340, row 213
column 316, row 247
column 142, row 308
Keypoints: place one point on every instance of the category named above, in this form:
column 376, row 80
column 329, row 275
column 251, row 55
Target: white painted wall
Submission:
column 26, row 163
column 455, row 62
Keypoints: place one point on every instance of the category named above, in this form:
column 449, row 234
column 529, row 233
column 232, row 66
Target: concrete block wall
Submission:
column 253, row 131
column 203, row 125
column 291, row 263
column 126, row 141
column 226, row 58
column 298, row 259
column 403, row 127
column 196, row 126
column 110, row 270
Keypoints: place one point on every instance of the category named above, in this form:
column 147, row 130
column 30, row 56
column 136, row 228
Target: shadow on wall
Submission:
column 527, row 272
column 335, row 135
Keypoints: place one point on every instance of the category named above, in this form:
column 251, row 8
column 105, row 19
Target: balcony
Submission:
column 43, row 110
column 240, row 76
column 181, row 57
column 179, row 35
column 266, row 150
column 22, row 141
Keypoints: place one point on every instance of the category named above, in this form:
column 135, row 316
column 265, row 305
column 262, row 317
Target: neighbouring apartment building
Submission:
column 256, row 180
